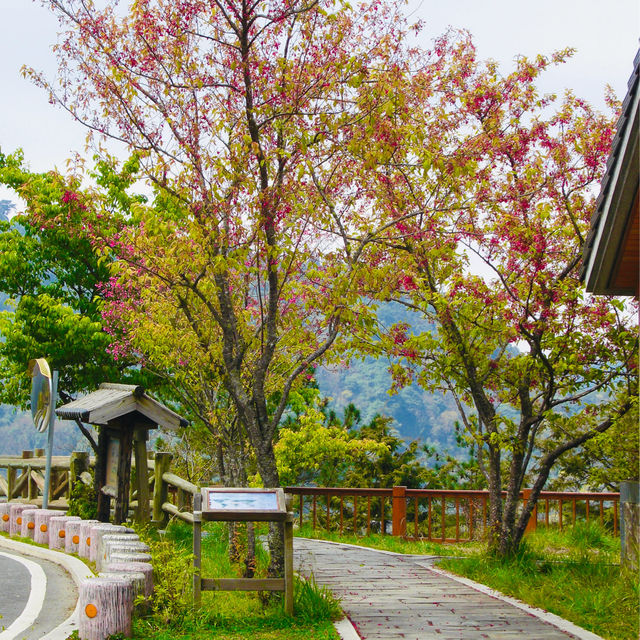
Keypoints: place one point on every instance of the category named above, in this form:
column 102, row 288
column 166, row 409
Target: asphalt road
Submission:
column 35, row 596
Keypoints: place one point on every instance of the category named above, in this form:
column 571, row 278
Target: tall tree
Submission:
column 245, row 116
column 493, row 260
column 52, row 277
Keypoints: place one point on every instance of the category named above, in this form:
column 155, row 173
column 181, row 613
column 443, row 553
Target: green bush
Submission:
column 313, row 603
column 83, row 501
column 171, row 603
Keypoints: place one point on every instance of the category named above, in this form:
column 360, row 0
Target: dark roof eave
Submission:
column 621, row 152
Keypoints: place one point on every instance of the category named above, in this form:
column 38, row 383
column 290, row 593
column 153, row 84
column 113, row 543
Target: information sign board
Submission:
column 237, row 505
column 113, row 460
column 243, row 504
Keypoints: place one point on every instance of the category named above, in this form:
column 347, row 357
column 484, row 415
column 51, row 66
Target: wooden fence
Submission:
column 436, row 514
column 23, row 477
column 432, row 514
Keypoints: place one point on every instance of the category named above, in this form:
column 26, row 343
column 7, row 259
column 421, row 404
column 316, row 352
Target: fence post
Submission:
column 629, row 524
column 399, row 511
column 162, row 464
column 197, row 550
column 26, row 488
column 11, row 483
column 533, row 518
column 140, row 438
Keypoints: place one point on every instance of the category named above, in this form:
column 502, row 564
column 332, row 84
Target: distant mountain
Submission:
column 418, row 415
column 17, row 434
column 429, row 418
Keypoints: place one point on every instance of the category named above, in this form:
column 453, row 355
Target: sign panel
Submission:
column 113, row 459
column 242, row 501
column 243, row 504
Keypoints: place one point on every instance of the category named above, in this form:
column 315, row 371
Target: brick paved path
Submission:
column 389, row 596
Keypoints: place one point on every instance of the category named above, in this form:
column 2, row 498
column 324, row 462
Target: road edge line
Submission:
column 74, row 566
column 36, row 598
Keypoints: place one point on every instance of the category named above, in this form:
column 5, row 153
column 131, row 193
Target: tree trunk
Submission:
column 268, row 471
column 495, row 498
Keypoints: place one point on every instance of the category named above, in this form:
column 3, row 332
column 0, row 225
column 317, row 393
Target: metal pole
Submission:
column 52, row 421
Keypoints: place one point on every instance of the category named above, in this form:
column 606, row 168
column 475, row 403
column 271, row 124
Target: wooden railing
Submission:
column 432, row 514
column 436, row 514
column 23, row 477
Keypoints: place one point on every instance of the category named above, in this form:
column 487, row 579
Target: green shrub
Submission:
column 588, row 535
column 83, row 501
column 313, row 603
column 171, row 603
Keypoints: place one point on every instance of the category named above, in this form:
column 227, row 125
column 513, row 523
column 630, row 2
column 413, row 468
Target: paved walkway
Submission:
column 388, row 596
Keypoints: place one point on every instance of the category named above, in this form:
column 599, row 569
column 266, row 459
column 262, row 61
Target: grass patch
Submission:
column 225, row 614
column 393, row 543
column 572, row 574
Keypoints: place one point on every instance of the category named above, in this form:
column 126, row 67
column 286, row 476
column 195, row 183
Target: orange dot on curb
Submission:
column 61, row 533
column 19, row 520
column 43, row 528
column 88, row 542
column 5, row 517
column 75, row 539
column 31, row 525
column 91, row 611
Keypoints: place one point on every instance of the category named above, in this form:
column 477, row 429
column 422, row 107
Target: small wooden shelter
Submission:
column 124, row 414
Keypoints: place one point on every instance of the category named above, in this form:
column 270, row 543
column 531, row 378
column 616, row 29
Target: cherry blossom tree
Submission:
column 491, row 257
column 246, row 116
column 304, row 160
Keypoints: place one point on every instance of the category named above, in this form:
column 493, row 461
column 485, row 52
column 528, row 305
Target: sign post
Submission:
column 243, row 505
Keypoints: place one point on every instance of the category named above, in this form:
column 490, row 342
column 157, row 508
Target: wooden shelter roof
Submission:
column 112, row 401
column 610, row 254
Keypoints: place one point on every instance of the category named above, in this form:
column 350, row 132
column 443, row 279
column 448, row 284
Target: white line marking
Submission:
column 35, row 602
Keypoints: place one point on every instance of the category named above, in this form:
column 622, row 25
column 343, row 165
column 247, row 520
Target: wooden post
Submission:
column 399, row 512
column 288, row 559
column 26, row 488
column 629, row 525
column 4, row 517
column 28, row 526
column 106, row 605
column 163, row 462
column 140, row 437
column 72, row 536
column 78, row 463
column 121, row 511
column 197, row 564
column 533, row 519
column 11, row 482
column 29, row 484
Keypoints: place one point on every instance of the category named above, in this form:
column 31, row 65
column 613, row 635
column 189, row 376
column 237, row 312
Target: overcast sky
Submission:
column 605, row 32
